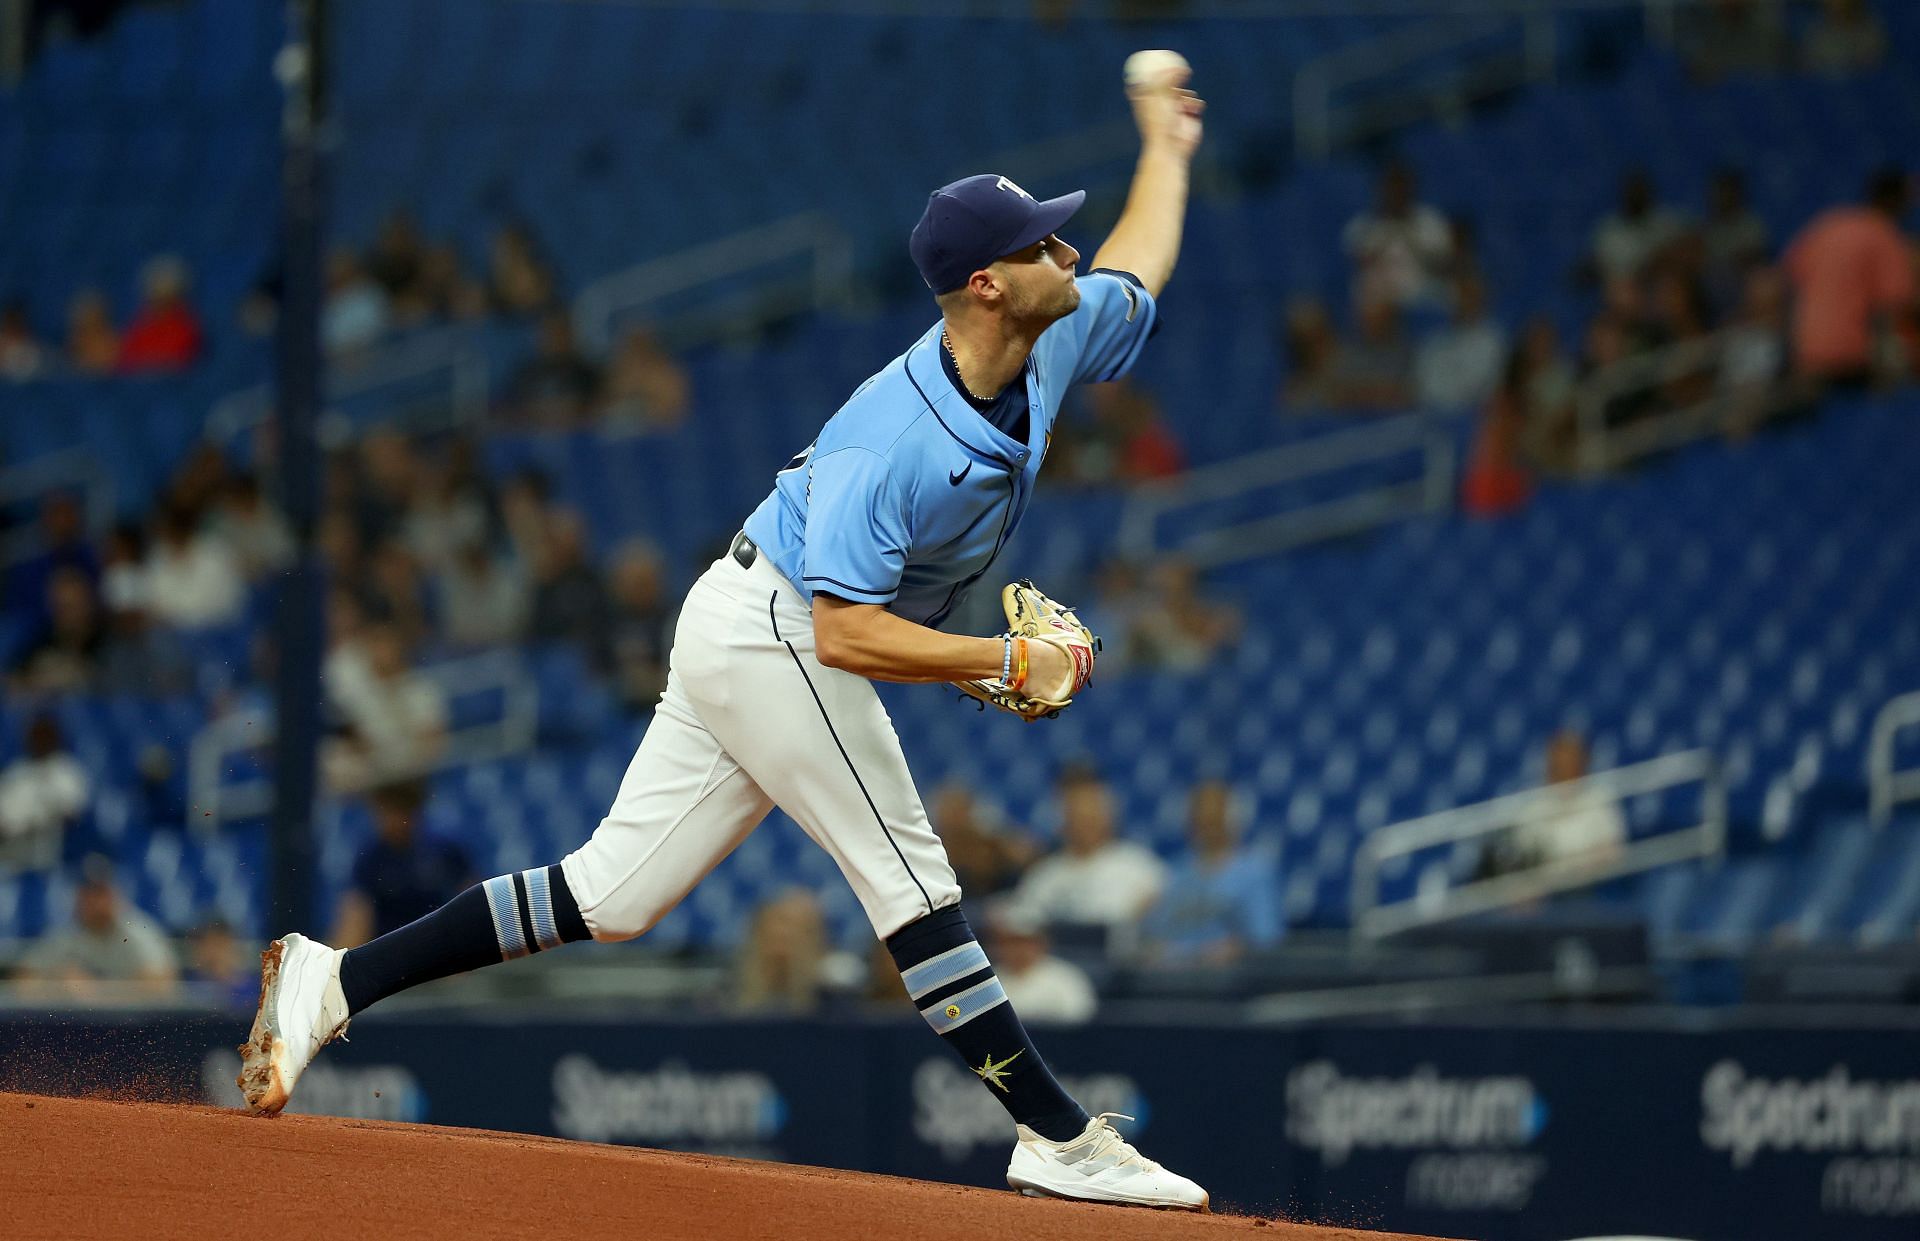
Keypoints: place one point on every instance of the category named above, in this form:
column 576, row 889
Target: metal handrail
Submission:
column 1886, row 787
column 71, row 469
column 215, row 745
column 1373, row 918
column 811, row 233
column 453, row 351
column 1431, row 492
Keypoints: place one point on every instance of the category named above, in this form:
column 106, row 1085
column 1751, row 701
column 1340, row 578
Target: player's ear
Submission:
column 987, row 285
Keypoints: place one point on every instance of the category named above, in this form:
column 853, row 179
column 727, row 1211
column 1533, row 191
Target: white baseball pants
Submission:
column 750, row 720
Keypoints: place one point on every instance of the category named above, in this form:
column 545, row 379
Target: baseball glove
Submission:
column 1033, row 617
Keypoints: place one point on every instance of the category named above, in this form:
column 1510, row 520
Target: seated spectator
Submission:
column 986, row 860
column 193, row 578
column 554, row 387
column 449, row 512
column 1221, row 899
column 1177, row 628
column 1139, row 446
column 22, row 356
column 570, row 602
column 395, row 592
column 354, row 315
column 42, row 793
column 165, row 333
column 381, row 485
column 218, row 966
column 1399, row 248
column 520, row 280
column 1119, row 602
column 255, row 532
column 66, row 657
column 1309, row 344
column 123, row 571
column 1722, row 37
column 395, row 718
column 1734, row 240
column 645, row 388
column 109, row 942
column 1459, row 366
column 1853, row 274
column 640, row 632
column 1043, row 989
column 524, row 509
column 1094, row 878
column 403, row 874
column 1372, row 372
column 483, row 598
column 783, row 963
column 62, row 545
column 1564, row 825
column 1845, row 37
column 398, row 259
column 1638, row 232
column 445, row 291
column 1754, row 366
column 1545, row 389
column 1495, row 481
column 93, row 345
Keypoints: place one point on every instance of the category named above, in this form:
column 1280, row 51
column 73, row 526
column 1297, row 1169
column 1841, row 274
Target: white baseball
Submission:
column 1153, row 68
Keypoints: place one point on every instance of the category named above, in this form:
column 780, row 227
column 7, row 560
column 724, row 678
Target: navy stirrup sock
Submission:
column 954, row 987
column 506, row 917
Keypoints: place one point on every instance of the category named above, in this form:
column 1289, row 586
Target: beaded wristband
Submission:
column 1006, row 660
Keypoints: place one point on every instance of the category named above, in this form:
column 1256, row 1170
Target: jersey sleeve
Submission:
column 858, row 533
column 1103, row 338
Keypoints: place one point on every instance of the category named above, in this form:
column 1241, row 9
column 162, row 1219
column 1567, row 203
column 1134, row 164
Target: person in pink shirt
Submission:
column 1852, row 273
column 165, row 335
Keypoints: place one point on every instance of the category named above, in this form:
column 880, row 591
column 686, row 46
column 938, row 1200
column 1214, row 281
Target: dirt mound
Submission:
column 86, row 1169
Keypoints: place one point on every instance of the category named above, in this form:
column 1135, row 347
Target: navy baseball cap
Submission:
column 976, row 220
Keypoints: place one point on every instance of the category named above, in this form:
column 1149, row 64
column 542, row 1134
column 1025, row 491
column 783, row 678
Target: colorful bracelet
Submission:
column 1020, row 664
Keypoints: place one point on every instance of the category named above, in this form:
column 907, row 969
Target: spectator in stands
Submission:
column 520, row 280
column 1371, row 372
column 109, row 942
column 570, row 602
column 253, row 530
column 138, row 657
column 93, row 346
column 1459, row 366
column 524, row 510
column 403, row 874
column 1400, row 247
column 1844, row 37
column 165, row 334
column 193, row 579
column 1221, row 900
column 380, row 487
column 1308, row 345
column 640, row 630
column 646, row 387
column 42, row 792
column 1496, row 480
column 1638, row 232
column 446, row 289
column 1094, row 878
column 398, row 260
column 986, row 859
column 556, row 386
column 65, row 658
column 395, row 718
column 449, row 509
column 396, row 592
column 1853, row 273
column 1141, row 445
column 1178, row 629
column 1721, row 37
column 355, row 314
column 1754, row 371
column 1565, row 825
column 123, row 571
column 218, row 967
column 22, row 356
column 62, row 545
column 483, row 598
column 1545, row 390
column 1119, row 602
column 1043, row 988
column 783, row 964
column 1734, row 240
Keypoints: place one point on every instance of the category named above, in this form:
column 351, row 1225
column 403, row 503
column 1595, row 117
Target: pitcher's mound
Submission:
column 87, row 1169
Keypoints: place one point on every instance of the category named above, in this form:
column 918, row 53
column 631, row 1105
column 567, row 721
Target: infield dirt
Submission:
column 85, row 1170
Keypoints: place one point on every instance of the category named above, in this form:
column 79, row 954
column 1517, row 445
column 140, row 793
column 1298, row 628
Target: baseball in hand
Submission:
column 1158, row 67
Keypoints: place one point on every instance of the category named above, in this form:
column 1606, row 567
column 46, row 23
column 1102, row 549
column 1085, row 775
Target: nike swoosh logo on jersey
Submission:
column 954, row 479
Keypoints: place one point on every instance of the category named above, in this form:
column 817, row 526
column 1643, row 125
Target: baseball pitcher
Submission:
column 841, row 577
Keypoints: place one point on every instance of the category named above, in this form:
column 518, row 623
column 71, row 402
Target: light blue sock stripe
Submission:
column 540, row 904
column 951, row 1014
column 506, row 917
column 949, row 966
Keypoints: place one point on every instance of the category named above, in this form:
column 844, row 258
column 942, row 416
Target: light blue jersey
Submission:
column 908, row 494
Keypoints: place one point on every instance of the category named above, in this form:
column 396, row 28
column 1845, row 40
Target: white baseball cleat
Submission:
column 1098, row 1166
column 301, row 1010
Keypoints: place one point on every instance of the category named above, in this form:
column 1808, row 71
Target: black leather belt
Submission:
column 744, row 551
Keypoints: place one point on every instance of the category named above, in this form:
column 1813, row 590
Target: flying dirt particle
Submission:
column 29, row 1107
column 376, row 1094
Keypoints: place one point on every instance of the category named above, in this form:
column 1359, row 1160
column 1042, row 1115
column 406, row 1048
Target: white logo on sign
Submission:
column 1005, row 184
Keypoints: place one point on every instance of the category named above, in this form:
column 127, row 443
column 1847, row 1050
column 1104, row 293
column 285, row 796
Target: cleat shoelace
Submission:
column 1107, row 1140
